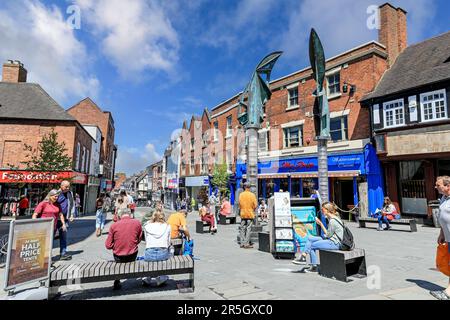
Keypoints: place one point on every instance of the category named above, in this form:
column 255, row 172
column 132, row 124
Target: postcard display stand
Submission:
column 282, row 231
column 293, row 221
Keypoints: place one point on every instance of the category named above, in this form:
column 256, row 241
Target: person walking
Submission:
column 23, row 205
column 50, row 208
column 157, row 243
column 78, row 202
column 332, row 240
column 443, row 187
column 123, row 239
column 66, row 200
column 100, row 216
column 247, row 206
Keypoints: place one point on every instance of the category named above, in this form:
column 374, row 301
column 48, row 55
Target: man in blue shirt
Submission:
column 66, row 200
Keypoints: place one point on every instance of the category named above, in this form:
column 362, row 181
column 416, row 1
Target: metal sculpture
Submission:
column 251, row 112
column 321, row 110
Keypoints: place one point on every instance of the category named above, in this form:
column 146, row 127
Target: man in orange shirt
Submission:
column 177, row 222
column 247, row 206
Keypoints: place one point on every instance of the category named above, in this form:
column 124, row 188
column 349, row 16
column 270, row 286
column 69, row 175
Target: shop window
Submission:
column 444, row 168
column 412, row 179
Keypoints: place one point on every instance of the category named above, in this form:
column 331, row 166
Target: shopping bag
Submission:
column 443, row 259
column 188, row 247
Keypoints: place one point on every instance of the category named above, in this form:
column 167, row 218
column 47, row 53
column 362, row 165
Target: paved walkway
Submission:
column 400, row 266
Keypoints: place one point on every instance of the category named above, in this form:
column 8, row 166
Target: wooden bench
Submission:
column 340, row 265
column 411, row 222
column 69, row 274
column 200, row 226
column 224, row 219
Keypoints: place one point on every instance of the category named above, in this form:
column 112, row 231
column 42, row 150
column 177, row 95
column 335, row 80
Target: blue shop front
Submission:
column 299, row 176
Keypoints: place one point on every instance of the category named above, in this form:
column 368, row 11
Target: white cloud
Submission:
column 342, row 24
column 132, row 160
column 135, row 35
column 40, row 37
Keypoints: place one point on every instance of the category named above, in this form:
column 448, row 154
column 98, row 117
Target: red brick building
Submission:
column 27, row 113
column 88, row 112
column 287, row 146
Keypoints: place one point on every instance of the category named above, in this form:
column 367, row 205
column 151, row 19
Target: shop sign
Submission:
column 173, row 183
column 197, row 181
column 42, row 177
column 351, row 162
column 29, row 252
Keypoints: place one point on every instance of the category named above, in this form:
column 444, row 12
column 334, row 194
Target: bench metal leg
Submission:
column 362, row 224
column 191, row 281
column 413, row 225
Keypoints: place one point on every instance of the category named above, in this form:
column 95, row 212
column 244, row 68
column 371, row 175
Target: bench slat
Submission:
column 55, row 273
column 61, row 270
column 86, row 270
column 66, row 272
column 101, row 268
column 92, row 269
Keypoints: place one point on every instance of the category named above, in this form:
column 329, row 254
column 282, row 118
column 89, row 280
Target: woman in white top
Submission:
column 388, row 213
column 157, row 242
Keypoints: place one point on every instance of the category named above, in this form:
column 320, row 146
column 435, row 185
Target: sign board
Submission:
column 29, row 252
column 13, row 176
column 283, row 231
column 202, row 181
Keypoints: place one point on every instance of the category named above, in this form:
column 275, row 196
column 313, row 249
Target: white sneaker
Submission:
column 161, row 280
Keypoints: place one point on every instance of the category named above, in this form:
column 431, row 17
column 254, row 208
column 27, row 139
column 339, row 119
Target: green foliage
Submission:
column 220, row 179
column 50, row 156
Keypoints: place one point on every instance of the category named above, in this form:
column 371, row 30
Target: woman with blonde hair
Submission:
column 157, row 242
column 332, row 240
column 50, row 208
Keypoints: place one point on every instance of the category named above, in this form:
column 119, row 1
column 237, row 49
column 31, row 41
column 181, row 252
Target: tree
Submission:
column 49, row 156
column 220, row 179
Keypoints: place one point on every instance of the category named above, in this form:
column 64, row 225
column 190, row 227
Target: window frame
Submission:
column 286, row 131
column 229, row 126
column 290, row 98
column 343, row 129
column 328, row 76
column 216, row 131
column 266, row 140
column 385, row 111
column 433, row 102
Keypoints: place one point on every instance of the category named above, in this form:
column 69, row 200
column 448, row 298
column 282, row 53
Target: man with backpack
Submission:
column 336, row 237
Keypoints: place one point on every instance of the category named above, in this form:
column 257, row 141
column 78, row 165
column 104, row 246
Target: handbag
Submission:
column 443, row 259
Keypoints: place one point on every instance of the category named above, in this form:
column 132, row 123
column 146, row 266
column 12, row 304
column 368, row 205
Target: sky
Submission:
column 155, row 63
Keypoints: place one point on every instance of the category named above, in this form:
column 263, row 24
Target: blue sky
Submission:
column 154, row 63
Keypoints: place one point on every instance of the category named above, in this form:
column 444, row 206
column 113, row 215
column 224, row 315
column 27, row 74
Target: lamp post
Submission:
column 321, row 111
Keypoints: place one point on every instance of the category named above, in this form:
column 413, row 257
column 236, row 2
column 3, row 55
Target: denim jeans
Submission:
column 317, row 243
column 156, row 254
column 100, row 219
column 63, row 236
column 383, row 219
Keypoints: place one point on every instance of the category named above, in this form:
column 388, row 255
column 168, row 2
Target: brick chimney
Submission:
column 393, row 31
column 14, row 72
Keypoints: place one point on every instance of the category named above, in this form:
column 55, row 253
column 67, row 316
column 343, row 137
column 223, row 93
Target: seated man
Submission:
column 123, row 238
column 178, row 225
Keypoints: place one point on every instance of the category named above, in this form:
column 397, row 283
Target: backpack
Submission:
column 347, row 243
column 188, row 247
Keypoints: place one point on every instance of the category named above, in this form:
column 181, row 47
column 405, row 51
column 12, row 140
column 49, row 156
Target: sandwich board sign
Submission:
column 29, row 256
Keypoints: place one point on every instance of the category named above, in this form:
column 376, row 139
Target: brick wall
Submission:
column 88, row 113
column 14, row 134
